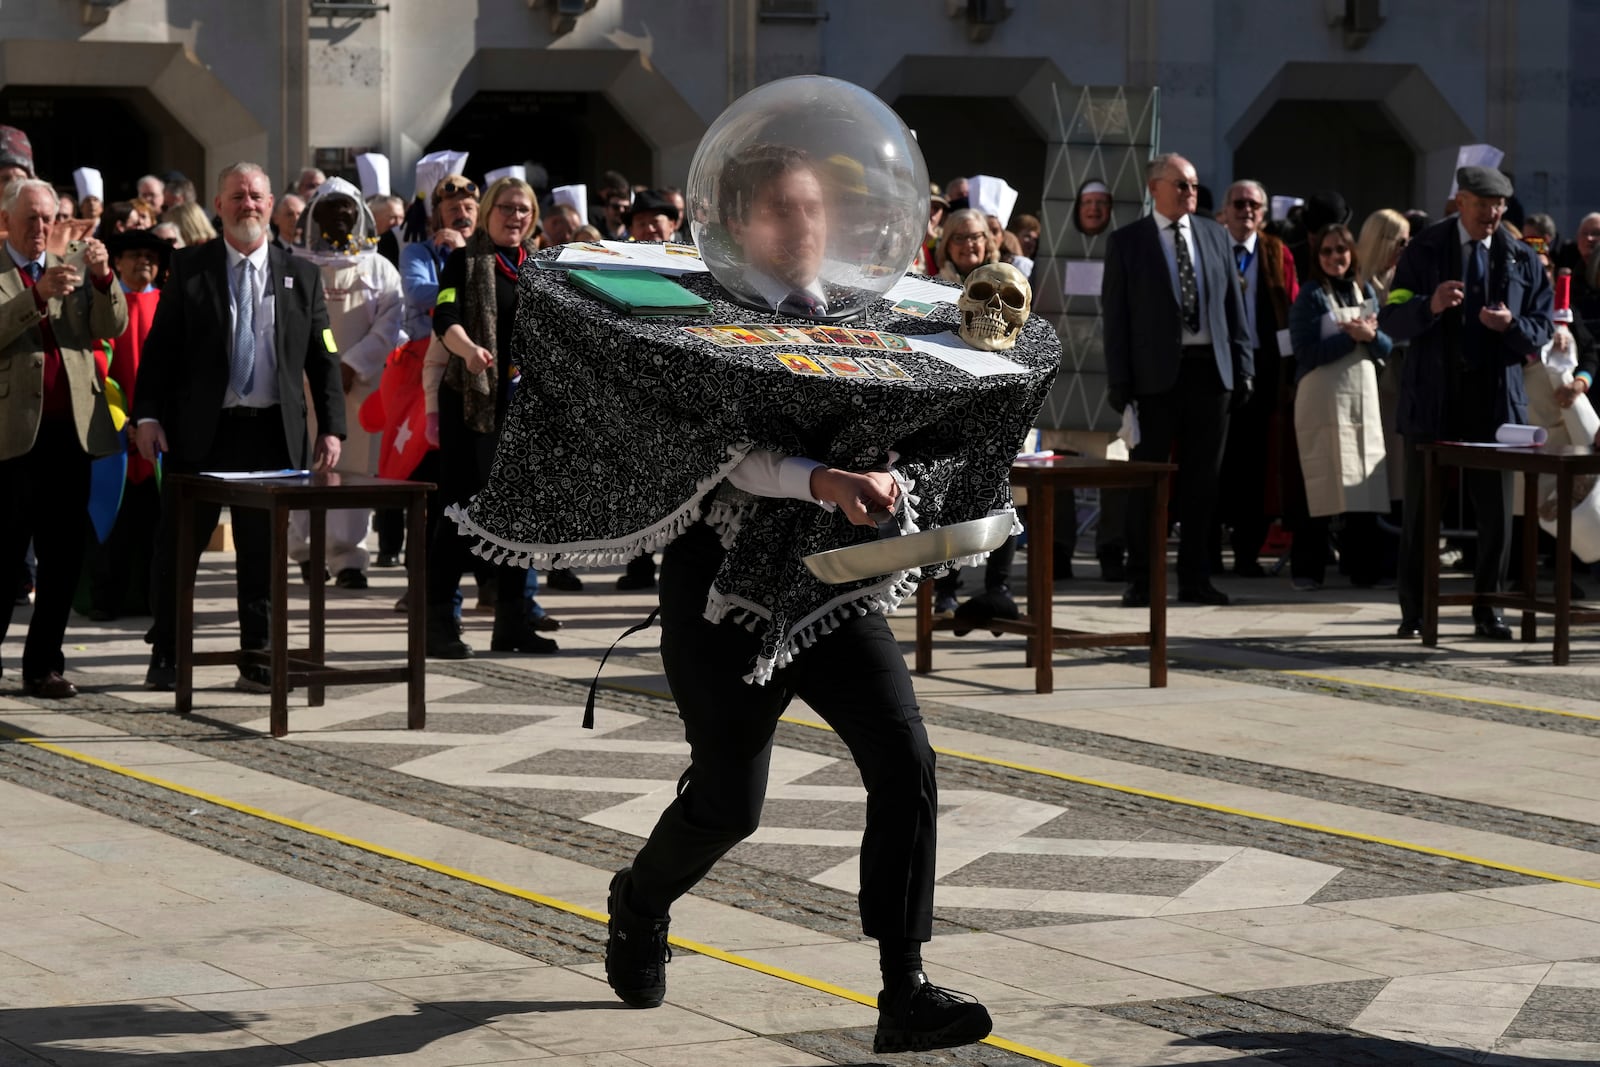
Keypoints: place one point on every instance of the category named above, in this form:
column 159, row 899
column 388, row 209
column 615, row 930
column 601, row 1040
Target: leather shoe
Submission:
column 51, row 687
column 545, row 624
column 1409, row 628
column 1203, row 594
column 1491, row 628
column 162, row 675
column 351, row 578
column 563, row 579
column 1136, row 596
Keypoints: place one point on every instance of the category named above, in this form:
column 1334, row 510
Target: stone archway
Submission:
column 644, row 99
column 1405, row 102
column 196, row 101
column 1019, row 95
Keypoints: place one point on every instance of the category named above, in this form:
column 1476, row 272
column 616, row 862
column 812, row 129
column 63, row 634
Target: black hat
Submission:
column 650, row 202
column 1324, row 209
column 1483, row 181
column 129, row 240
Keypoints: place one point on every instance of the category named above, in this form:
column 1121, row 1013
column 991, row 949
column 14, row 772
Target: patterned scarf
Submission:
column 478, row 310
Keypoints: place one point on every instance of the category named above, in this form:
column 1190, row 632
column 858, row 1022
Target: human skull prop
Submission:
column 994, row 305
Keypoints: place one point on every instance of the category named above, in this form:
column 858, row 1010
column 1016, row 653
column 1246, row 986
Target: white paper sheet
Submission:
column 622, row 255
column 575, row 196
column 1129, row 431
column 251, row 476
column 1285, row 345
column 922, row 290
column 435, row 167
column 1518, row 435
column 1475, row 155
column 1282, row 205
column 949, row 348
column 1084, row 277
column 373, row 170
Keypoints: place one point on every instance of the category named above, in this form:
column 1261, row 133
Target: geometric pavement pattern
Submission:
column 1480, row 974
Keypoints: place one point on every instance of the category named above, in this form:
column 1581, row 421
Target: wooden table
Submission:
column 302, row 666
column 1564, row 463
column 1041, row 479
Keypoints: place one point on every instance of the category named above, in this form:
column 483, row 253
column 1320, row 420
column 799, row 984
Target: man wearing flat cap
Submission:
column 1475, row 305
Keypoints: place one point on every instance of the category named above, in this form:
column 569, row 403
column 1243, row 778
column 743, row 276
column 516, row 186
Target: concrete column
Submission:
column 292, row 148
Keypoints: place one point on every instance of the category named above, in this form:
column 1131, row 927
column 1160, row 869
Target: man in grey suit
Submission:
column 1177, row 347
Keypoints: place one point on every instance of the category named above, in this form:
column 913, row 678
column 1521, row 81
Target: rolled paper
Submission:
column 1583, row 422
column 1516, row 434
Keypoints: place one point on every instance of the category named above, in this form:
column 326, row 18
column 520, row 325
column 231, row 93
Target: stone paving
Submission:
column 1127, row 876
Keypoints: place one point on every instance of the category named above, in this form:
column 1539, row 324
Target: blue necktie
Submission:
column 242, row 366
column 34, row 270
column 1477, row 280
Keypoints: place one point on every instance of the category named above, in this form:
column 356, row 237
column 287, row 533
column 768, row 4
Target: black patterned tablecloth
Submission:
column 623, row 427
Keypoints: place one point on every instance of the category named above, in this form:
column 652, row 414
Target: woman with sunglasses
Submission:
column 1337, row 346
column 474, row 315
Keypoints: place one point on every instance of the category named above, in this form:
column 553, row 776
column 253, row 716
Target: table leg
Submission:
column 278, row 719
column 1158, row 582
column 416, row 641
column 1042, row 582
column 184, row 508
column 1563, row 565
column 1530, row 556
column 924, row 660
column 1432, row 489
column 317, row 650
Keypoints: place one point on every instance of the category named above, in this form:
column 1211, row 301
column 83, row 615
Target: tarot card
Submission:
column 886, row 369
column 740, row 335
column 596, row 249
column 844, row 367
column 839, row 335
column 795, row 363
column 894, row 342
column 915, row 308
column 707, row 333
column 866, row 338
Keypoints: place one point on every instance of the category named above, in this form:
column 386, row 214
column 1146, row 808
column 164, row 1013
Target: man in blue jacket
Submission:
column 1475, row 305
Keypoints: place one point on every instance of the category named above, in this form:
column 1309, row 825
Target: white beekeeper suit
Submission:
column 365, row 312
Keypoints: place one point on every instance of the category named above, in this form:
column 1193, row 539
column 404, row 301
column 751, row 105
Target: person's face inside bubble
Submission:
column 335, row 219
column 785, row 232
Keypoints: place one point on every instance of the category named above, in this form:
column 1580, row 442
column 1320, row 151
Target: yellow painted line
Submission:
column 1354, row 835
column 494, row 884
column 1439, row 694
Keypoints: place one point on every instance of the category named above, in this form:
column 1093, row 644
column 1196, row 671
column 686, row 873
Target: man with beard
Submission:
column 240, row 330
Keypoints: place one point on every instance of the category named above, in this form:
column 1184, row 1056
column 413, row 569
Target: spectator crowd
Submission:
column 1291, row 364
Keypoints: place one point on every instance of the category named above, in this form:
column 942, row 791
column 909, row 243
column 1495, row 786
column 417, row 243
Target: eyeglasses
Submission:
column 457, row 187
column 1183, row 185
column 1334, row 250
column 966, row 238
column 1242, row 204
column 519, row 211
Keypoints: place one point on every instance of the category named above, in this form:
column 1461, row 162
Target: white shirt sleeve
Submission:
column 766, row 473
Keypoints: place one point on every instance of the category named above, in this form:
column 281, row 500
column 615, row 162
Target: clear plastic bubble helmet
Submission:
column 809, row 197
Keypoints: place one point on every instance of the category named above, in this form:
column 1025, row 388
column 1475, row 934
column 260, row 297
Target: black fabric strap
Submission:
column 594, row 686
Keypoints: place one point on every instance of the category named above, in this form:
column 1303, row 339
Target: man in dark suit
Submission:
column 241, row 325
column 53, row 415
column 1268, row 283
column 1177, row 347
column 1476, row 306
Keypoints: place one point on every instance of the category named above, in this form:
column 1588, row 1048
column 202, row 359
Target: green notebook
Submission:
column 639, row 292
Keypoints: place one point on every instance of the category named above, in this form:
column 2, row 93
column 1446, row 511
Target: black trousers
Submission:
column 244, row 442
column 1361, row 548
column 1242, row 504
column 46, row 494
column 856, row 679
column 465, row 458
column 1490, row 495
column 1193, row 415
column 119, row 572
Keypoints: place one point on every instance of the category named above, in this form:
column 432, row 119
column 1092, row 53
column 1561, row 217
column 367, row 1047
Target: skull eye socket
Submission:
column 1012, row 297
column 980, row 291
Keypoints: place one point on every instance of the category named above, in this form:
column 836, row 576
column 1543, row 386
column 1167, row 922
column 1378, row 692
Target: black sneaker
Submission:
column 636, row 950
column 387, row 559
column 920, row 1016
